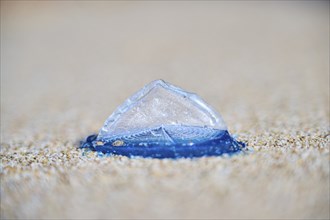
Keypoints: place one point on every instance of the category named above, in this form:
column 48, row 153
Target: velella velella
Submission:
column 164, row 121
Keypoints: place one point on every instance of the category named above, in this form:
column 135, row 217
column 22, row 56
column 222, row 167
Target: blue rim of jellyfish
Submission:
column 222, row 143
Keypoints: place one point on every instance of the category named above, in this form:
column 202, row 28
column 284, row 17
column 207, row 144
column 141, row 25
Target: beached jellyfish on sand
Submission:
column 164, row 121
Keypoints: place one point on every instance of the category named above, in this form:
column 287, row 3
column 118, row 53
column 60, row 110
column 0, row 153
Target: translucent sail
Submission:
column 160, row 105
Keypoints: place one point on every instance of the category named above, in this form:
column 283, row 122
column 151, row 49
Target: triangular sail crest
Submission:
column 159, row 104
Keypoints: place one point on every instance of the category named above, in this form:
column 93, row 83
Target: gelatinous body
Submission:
column 164, row 121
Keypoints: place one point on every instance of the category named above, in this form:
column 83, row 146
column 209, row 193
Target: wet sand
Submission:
column 65, row 67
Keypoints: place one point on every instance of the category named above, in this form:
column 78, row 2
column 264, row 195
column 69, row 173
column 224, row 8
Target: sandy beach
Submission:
column 67, row 65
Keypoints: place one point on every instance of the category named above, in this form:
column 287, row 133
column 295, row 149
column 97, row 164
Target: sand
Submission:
column 66, row 66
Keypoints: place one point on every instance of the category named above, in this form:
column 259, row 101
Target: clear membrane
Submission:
column 160, row 103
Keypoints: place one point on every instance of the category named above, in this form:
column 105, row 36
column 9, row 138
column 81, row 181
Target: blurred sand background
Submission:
column 66, row 65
